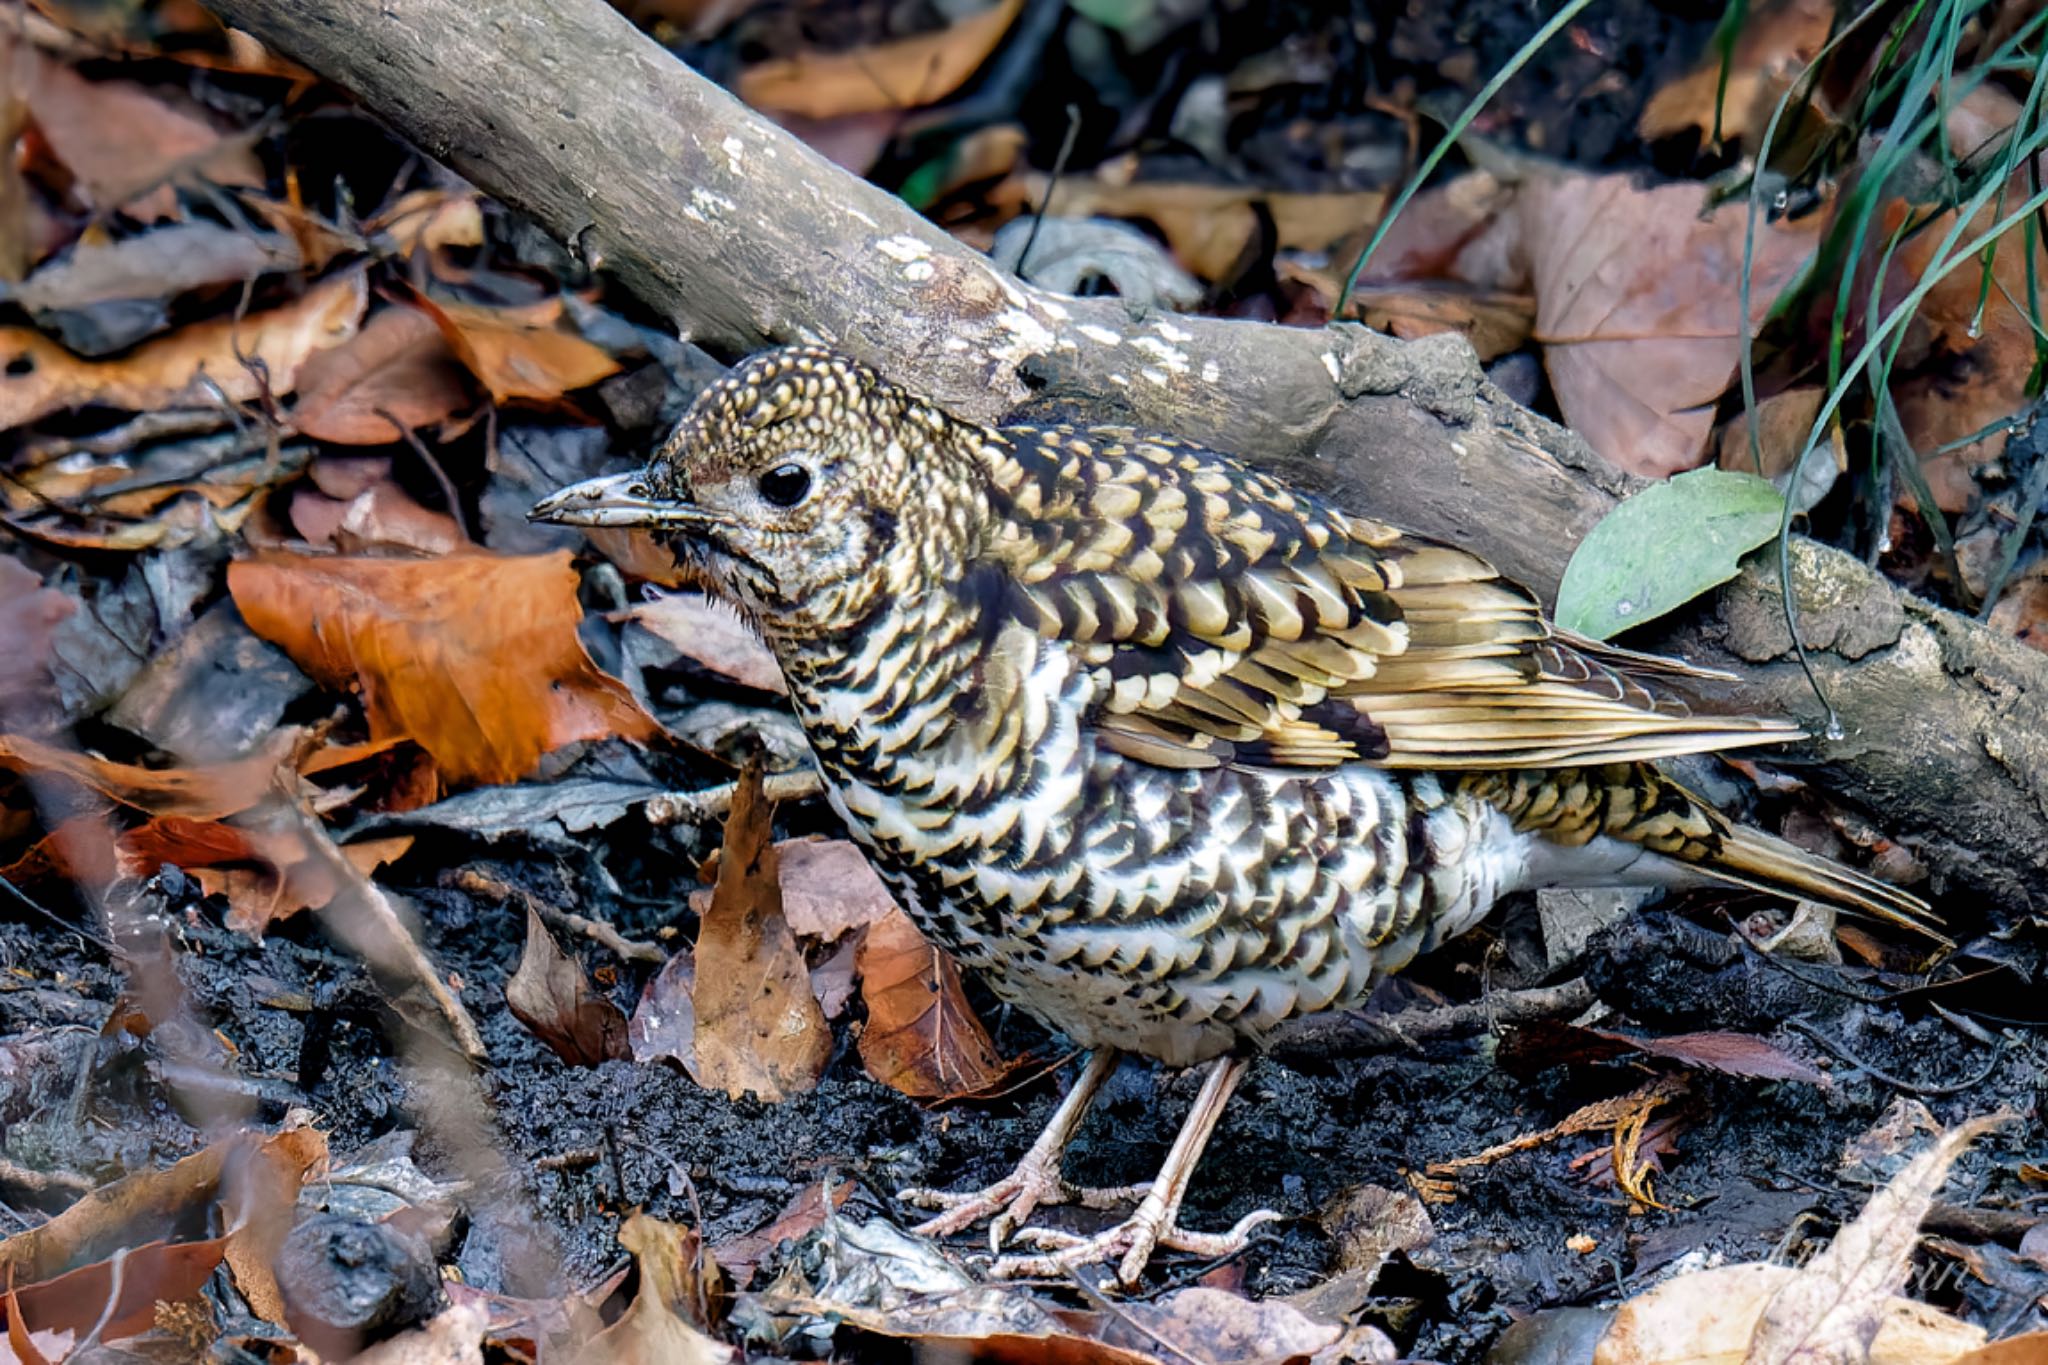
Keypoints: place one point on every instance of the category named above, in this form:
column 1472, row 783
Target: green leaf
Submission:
column 1663, row 547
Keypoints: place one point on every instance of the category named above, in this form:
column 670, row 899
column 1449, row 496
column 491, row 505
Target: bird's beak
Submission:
column 620, row 500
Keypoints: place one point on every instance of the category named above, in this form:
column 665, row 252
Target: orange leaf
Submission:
column 906, row 74
column 206, row 793
column 473, row 656
column 185, row 368
column 520, row 354
column 759, row 1028
column 922, row 1038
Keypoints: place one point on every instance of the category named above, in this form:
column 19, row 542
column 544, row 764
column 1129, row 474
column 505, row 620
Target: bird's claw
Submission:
column 1130, row 1244
column 1011, row 1200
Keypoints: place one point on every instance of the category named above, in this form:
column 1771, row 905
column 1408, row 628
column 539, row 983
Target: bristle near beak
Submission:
column 620, row 500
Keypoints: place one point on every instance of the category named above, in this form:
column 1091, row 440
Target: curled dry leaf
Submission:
column 828, row 888
column 758, row 1027
column 192, row 367
column 906, row 74
column 520, row 353
column 267, row 874
column 29, row 616
column 922, row 1038
column 399, row 365
column 711, row 635
column 473, row 656
column 202, row 793
column 551, row 994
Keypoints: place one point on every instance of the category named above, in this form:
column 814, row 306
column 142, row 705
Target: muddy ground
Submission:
column 1756, row 1166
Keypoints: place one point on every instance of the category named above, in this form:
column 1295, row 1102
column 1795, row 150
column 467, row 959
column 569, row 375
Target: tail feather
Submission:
column 1636, row 804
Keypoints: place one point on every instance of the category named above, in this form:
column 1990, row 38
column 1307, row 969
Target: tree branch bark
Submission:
column 744, row 237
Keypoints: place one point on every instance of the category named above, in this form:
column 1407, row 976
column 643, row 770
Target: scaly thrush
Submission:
column 1167, row 750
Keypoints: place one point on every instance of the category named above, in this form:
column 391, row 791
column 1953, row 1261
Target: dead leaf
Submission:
column 201, row 793
column 2022, row 610
column 1960, row 371
column 434, row 218
column 1707, row 1317
column 1774, row 45
column 1213, row 1325
column 1495, row 323
column 759, row 1027
column 1211, row 228
column 922, row 1038
column 908, row 73
column 807, row 1211
column 29, row 616
column 121, row 141
column 159, row 264
column 1838, row 1303
column 259, row 1199
column 266, row 874
column 638, row 555
column 829, row 888
column 520, row 353
column 664, row 1023
column 712, row 635
column 473, row 656
column 654, row 1329
column 381, row 517
column 1636, row 307
column 399, row 364
column 552, row 995
column 1784, row 422
column 192, row 367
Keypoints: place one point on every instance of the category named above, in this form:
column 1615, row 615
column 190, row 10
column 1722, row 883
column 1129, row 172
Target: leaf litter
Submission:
column 211, row 354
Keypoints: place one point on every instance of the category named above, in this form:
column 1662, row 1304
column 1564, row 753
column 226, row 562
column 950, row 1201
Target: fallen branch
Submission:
column 744, row 236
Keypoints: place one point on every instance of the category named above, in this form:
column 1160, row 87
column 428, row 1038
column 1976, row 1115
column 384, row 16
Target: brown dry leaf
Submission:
column 1784, row 422
column 398, row 364
column 1838, row 1302
column 473, row 656
column 520, row 353
column 1774, row 46
column 189, row 368
column 1636, row 307
column 258, row 1199
column 759, row 1027
column 805, row 1212
column 2030, row 1349
column 2022, row 610
column 1213, row 1325
column 454, row 1337
column 906, row 74
column 1959, row 375
column 922, row 1037
column 204, row 793
column 123, row 143
column 1495, row 323
column 1211, row 228
column 432, row 218
column 664, row 1023
column 267, row 874
column 1706, row 1317
column 29, row 616
column 712, row 635
column 653, row 1330
column 381, row 517
column 829, row 888
column 551, row 994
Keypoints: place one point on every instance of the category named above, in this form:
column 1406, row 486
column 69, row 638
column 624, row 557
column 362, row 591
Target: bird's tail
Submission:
column 1634, row 803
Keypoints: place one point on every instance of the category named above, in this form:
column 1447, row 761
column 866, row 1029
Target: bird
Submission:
column 1168, row 751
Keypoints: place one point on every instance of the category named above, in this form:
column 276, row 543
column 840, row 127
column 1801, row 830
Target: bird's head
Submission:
column 800, row 487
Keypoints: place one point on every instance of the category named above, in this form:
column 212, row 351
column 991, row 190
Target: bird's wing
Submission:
column 1231, row 619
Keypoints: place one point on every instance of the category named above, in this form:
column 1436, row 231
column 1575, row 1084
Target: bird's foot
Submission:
column 1129, row 1245
column 1036, row 1183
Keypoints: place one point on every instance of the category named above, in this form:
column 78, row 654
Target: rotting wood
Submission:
column 743, row 236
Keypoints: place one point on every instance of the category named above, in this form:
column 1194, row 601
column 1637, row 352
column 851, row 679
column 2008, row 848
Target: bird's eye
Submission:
column 785, row 485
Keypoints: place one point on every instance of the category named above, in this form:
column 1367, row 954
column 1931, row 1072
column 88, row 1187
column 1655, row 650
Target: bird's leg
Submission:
column 1037, row 1179
column 1132, row 1242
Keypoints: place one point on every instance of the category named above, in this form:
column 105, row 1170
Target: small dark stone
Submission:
column 347, row 1284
